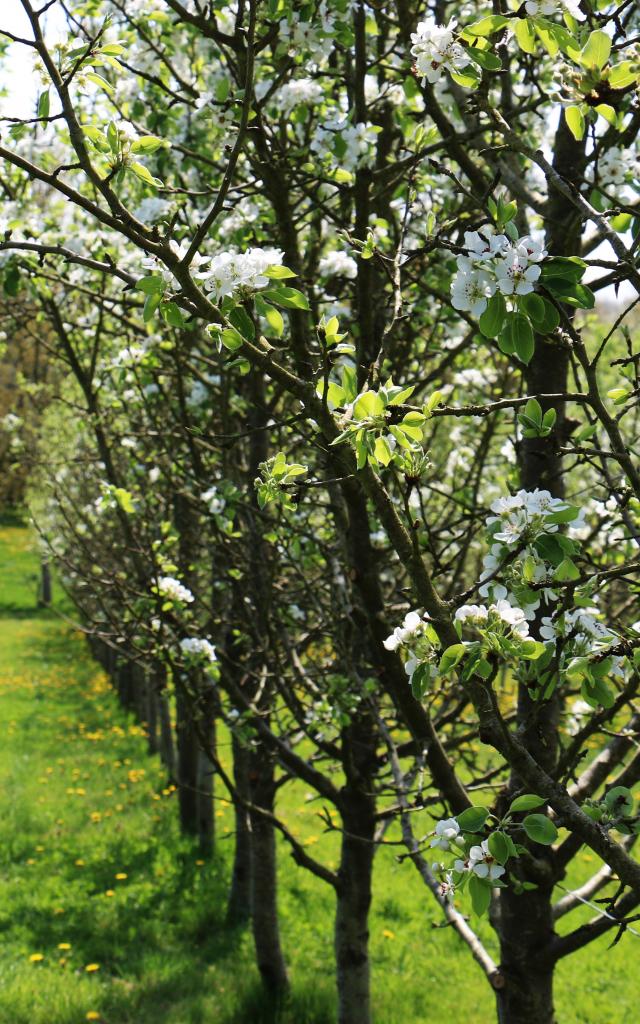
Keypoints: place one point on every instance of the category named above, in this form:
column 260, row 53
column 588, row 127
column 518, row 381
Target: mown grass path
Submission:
column 107, row 915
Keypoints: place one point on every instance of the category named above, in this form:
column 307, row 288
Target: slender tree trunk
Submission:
column 206, row 708
column 239, row 905
column 351, row 934
column 525, row 922
column 167, row 747
column 152, row 714
column 45, row 583
column 264, row 874
column 124, row 684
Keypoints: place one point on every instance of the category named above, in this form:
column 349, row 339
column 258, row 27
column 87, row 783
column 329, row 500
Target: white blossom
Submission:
column 173, row 589
column 435, row 49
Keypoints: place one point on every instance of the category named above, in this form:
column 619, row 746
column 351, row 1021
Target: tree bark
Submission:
column 526, row 925
column 239, row 904
column 264, row 875
column 357, row 808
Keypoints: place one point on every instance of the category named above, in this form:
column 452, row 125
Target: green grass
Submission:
column 81, row 802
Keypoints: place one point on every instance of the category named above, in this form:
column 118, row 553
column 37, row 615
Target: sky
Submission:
column 19, row 79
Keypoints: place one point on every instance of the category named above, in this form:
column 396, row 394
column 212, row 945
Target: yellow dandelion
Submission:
column 91, row 968
column 64, row 945
column 79, row 863
column 120, row 877
column 35, row 958
column 92, row 1015
column 109, row 892
column 388, row 934
column 199, row 863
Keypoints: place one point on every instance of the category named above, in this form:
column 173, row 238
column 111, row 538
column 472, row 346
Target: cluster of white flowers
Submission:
column 435, row 50
column 480, row 615
column 408, row 636
column 351, row 145
column 11, row 422
column 173, row 589
column 494, row 263
column 545, row 8
column 229, row 271
column 447, row 832
column 194, row 646
column 525, row 514
column 480, row 862
column 338, row 264
column 616, row 167
column 581, row 625
column 518, row 521
column 299, row 91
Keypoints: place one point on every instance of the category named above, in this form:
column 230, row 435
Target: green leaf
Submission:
column 595, row 53
column 288, row 298
column 369, row 404
column 619, row 799
column 151, row 304
column 231, row 339
column 487, row 26
column 499, row 847
column 44, row 104
column 148, row 144
column 451, row 657
column 531, row 649
column 277, row 273
column 100, row 81
column 540, row 829
column 517, row 336
column 150, row 285
column 242, row 322
column 526, row 802
column 491, row 321
column 485, row 58
column 382, row 452
column 525, row 35
column 11, row 282
column 145, row 174
column 124, row 499
column 575, row 121
column 480, row 894
column 172, row 314
column 472, row 819
column 621, row 76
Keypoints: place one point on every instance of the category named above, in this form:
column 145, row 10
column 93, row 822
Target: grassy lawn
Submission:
column 106, row 914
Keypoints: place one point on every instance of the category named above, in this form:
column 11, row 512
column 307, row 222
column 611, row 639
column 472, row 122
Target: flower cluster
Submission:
column 196, row 647
column 408, row 636
column 174, row 590
column 515, row 568
column 494, row 263
column 435, row 50
column 499, row 614
column 481, row 862
column 299, row 91
column 228, row 272
column 338, row 264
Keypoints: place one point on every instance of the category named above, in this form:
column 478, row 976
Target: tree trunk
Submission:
column 526, row 925
column 352, row 911
column 151, row 715
column 239, row 905
column 264, row 874
column 351, row 933
column 45, row 583
column 167, row 748
column 525, row 922
column 124, row 684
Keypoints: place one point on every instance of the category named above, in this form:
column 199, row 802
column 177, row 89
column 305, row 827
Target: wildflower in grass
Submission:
column 120, row 877
column 64, row 945
column 388, row 934
column 92, row 1015
column 35, row 958
column 92, row 968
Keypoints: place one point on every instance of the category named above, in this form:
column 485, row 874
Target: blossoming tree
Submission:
column 322, row 275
